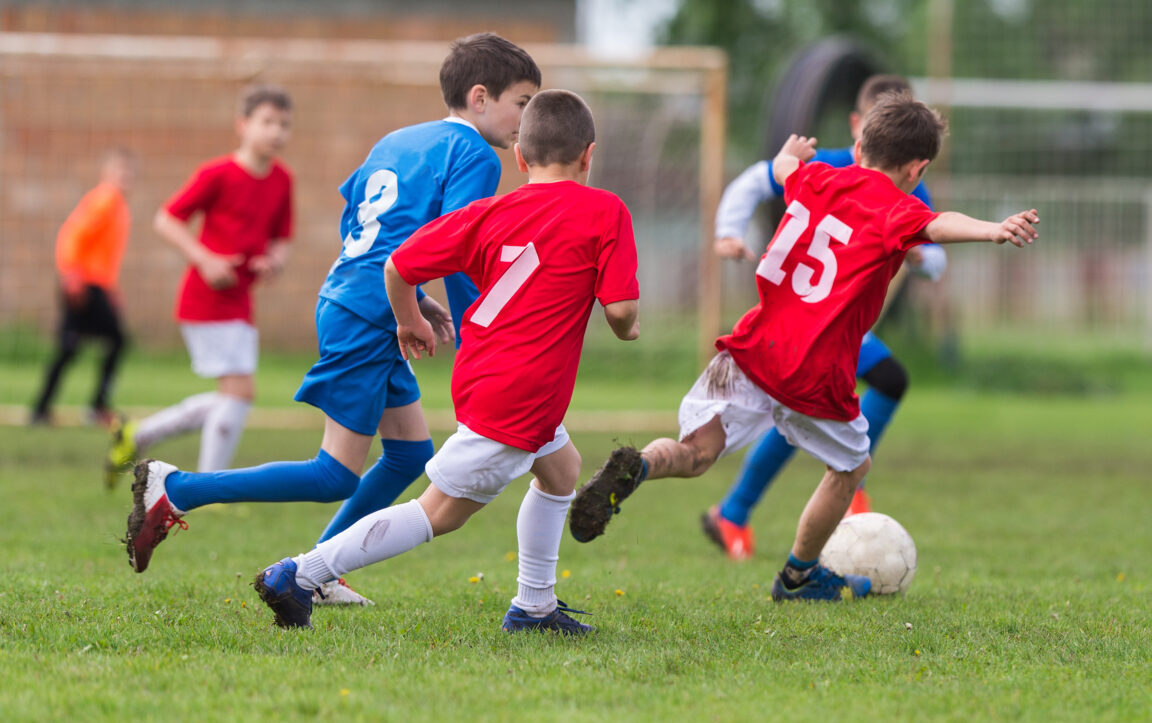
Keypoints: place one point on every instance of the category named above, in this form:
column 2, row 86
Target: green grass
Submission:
column 1031, row 601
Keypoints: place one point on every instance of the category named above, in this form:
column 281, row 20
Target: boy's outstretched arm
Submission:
column 1019, row 229
column 413, row 331
column 795, row 149
column 217, row 270
column 624, row 318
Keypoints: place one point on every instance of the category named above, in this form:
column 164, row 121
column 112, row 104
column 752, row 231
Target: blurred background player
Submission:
column 790, row 361
column 362, row 382
column 89, row 250
column 543, row 254
column 727, row 523
column 245, row 201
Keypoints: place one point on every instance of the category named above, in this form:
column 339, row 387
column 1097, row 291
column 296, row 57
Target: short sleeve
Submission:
column 616, row 262
column 792, row 182
column 474, row 177
column 904, row 224
column 197, row 195
column 439, row 248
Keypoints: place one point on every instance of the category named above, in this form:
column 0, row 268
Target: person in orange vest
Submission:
column 89, row 250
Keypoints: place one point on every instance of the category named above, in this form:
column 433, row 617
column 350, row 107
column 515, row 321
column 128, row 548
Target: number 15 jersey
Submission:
column 822, row 283
column 411, row 176
column 540, row 254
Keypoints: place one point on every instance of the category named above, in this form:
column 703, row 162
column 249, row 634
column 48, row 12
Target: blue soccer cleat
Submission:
column 277, row 587
column 557, row 620
column 823, row 584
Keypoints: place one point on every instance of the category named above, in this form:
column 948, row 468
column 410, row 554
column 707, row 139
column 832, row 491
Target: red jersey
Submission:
column 92, row 240
column 242, row 213
column 540, row 256
column 822, row 284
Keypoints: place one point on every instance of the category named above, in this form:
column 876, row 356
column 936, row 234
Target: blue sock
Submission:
column 761, row 466
column 400, row 464
column 321, row 479
column 878, row 409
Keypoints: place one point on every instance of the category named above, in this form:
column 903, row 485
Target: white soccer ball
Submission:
column 873, row 545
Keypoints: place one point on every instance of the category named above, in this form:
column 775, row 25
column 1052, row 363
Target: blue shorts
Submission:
column 872, row 352
column 360, row 372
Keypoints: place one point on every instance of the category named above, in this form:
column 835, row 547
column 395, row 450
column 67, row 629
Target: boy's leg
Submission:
column 106, row 323
column 185, row 416
column 68, row 342
column 406, row 448
column 224, row 423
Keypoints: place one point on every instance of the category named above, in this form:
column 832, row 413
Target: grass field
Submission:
column 1032, row 599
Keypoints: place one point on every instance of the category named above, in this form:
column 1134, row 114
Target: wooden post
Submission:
column 712, row 131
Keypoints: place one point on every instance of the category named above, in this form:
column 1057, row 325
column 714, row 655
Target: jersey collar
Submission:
column 461, row 121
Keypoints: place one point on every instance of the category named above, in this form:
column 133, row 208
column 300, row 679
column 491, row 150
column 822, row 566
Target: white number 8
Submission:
column 380, row 192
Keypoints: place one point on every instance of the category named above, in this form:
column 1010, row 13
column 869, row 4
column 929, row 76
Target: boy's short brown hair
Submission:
column 556, row 127
column 255, row 96
column 899, row 129
column 484, row 59
column 878, row 85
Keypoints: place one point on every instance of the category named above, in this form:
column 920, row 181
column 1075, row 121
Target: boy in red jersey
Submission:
column 790, row 361
column 245, row 199
column 541, row 256
column 89, row 249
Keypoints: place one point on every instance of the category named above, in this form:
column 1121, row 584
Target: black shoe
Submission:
column 600, row 498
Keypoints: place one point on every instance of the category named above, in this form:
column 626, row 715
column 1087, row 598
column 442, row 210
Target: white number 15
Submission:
column 828, row 230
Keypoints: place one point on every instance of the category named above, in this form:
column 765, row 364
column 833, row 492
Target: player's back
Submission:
column 411, row 176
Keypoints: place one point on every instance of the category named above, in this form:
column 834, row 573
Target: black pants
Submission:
column 94, row 317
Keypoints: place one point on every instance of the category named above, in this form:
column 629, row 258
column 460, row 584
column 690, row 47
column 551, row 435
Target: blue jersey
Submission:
column 411, row 176
column 838, row 158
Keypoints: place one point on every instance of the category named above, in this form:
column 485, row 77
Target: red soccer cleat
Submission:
column 152, row 515
column 860, row 503
column 736, row 540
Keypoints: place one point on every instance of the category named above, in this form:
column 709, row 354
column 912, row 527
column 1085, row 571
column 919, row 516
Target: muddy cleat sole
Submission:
column 736, row 540
column 292, row 604
column 557, row 621
column 600, row 497
column 823, row 584
column 121, row 450
column 338, row 592
column 152, row 516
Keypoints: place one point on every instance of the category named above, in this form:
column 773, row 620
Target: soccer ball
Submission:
column 873, row 545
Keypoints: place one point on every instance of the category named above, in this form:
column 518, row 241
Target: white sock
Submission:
column 539, row 528
column 220, row 434
column 185, row 416
column 387, row 533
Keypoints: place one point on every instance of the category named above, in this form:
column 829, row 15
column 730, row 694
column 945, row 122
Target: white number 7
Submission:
column 524, row 260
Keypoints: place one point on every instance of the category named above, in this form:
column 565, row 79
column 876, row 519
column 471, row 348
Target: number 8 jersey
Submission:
column 412, row 176
column 822, row 283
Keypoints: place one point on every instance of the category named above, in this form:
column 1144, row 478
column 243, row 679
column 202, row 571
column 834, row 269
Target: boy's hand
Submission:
column 1018, row 229
column 217, row 270
column 730, row 247
column 801, row 147
column 75, row 292
column 265, row 265
column 439, row 318
column 415, row 339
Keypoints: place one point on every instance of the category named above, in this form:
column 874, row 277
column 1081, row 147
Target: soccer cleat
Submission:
column 276, row 585
column 860, row 503
column 121, row 450
column 734, row 539
column 601, row 496
column 556, row 621
column 822, row 584
column 338, row 592
column 152, row 515
column 102, row 417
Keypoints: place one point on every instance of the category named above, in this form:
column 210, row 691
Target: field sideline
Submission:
column 1031, row 601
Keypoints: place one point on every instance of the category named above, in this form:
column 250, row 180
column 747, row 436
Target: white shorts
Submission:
column 477, row 468
column 747, row 413
column 221, row 348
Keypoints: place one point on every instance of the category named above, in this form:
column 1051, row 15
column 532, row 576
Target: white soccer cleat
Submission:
column 337, row 592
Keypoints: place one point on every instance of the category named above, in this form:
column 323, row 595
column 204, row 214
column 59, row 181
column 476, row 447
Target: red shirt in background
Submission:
column 242, row 213
column 541, row 255
column 822, row 284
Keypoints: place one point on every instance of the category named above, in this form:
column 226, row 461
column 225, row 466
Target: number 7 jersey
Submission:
column 822, row 283
column 541, row 255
